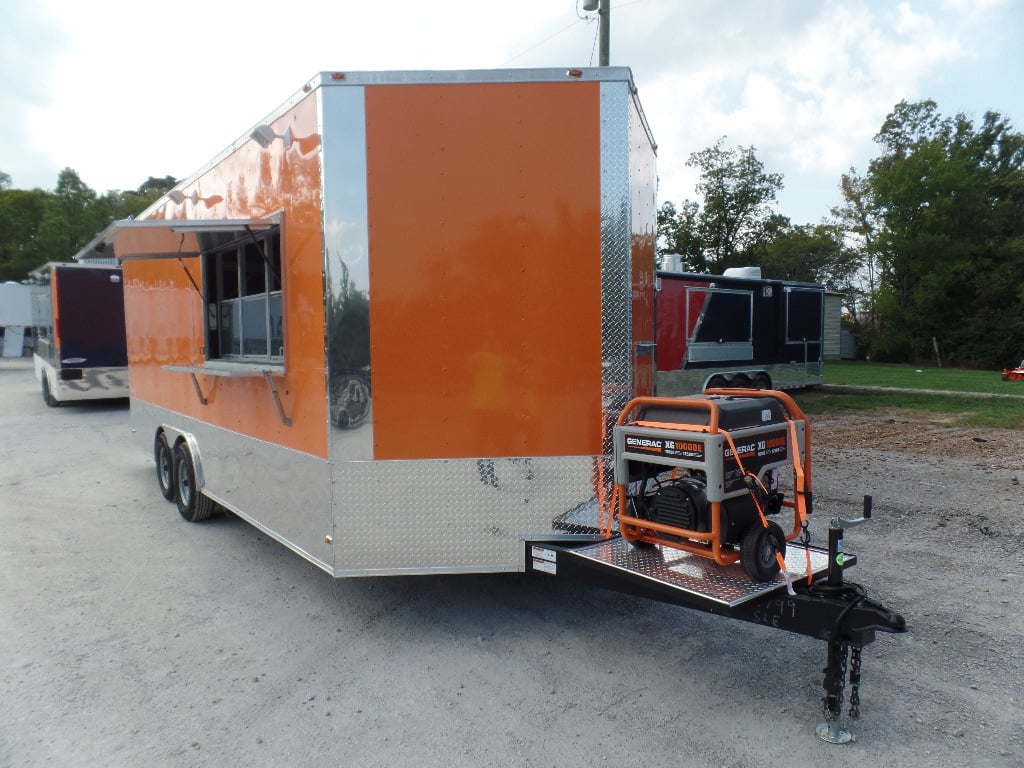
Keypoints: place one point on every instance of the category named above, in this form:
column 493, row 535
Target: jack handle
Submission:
column 843, row 523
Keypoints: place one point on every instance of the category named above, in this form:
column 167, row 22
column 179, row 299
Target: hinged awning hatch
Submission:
column 182, row 238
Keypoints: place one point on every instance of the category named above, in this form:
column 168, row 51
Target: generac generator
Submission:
column 701, row 474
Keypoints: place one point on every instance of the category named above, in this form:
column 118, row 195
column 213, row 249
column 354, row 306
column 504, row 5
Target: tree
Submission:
column 679, row 233
column 20, row 215
column 810, row 253
column 737, row 213
column 77, row 202
column 950, row 249
column 38, row 226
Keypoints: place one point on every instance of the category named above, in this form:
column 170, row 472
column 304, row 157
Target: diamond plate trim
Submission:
column 729, row 585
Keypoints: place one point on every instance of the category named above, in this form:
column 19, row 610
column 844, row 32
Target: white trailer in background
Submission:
column 15, row 317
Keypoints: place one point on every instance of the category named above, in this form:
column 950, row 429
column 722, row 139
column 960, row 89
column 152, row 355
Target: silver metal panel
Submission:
column 729, row 585
column 95, row 384
column 683, row 383
column 347, row 275
column 706, row 352
column 449, row 515
column 616, row 263
column 284, row 493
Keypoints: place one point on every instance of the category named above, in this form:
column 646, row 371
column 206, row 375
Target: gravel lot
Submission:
column 130, row 637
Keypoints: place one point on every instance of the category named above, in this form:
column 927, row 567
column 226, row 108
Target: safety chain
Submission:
column 845, row 650
column 842, row 649
column 855, row 682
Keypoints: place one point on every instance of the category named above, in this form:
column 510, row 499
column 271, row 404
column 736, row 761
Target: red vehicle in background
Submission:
column 1014, row 374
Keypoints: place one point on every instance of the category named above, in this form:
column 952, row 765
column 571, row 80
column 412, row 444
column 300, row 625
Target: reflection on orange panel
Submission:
column 164, row 314
column 485, row 259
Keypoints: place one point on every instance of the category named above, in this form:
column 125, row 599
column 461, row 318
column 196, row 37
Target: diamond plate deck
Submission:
column 728, row 585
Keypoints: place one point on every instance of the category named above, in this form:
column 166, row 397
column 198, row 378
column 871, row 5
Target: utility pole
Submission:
column 604, row 17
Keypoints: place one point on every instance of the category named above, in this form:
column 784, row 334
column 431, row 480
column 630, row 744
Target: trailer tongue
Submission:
column 695, row 481
column 827, row 608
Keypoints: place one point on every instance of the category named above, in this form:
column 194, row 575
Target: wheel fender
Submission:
column 193, row 447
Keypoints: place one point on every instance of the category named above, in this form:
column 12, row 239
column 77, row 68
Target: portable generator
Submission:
column 701, row 474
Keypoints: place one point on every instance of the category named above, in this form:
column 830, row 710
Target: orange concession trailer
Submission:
column 392, row 324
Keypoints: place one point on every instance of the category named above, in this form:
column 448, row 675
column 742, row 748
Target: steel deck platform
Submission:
column 698, row 576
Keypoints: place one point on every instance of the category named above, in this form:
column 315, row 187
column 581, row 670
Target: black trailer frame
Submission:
column 823, row 607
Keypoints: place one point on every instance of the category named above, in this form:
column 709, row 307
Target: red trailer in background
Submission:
column 737, row 330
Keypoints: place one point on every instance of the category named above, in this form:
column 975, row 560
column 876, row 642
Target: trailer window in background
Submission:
column 722, row 324
column 243, row 298
column 805, row 309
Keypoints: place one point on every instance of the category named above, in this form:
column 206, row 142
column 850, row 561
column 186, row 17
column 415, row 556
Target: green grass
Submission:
column 967, row 409
column 918, row 377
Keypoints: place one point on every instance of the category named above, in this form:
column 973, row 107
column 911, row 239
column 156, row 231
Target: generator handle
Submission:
column 671, row 402
column 787, row 402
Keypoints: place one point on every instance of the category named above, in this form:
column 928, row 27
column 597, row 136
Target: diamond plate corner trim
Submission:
column 616, row 266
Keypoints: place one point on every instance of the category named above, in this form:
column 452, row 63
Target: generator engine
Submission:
column 682, row 501
column 702, row 474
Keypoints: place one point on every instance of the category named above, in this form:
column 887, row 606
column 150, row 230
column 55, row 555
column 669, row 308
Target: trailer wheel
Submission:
column 763, row 381
column 741, row 381
column 164, row 466
column 758, row 550
column 716, row 382
column 48, row 397
column 192, row 504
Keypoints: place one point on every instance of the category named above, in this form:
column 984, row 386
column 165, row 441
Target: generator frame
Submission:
column 709, row 448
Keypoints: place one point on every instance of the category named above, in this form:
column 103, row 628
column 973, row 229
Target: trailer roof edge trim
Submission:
column 469, row 76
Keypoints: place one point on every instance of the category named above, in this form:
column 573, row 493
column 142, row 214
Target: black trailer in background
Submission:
column 737, row 331
column 78, row 318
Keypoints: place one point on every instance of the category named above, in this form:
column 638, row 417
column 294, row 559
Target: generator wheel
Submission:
column 48, row 397
column 758, row 550
column 164, row 466
column 192, row 504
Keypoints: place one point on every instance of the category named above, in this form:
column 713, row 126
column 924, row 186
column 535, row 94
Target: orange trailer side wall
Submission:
column 485, row 280
column 164, row 311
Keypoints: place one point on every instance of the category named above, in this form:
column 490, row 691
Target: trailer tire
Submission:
column 716, row 382
column 763, row 381
column 164, row 459
column 741, row 381
column 48, row 397
column 192, row 504
column 758, row 549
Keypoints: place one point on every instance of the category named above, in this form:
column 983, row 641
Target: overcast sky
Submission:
column 120, row 90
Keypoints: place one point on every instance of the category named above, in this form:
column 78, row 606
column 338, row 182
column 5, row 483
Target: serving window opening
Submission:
column 242, row 293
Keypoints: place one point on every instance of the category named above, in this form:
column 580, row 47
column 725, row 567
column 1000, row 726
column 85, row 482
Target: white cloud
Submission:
column 121, row 91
